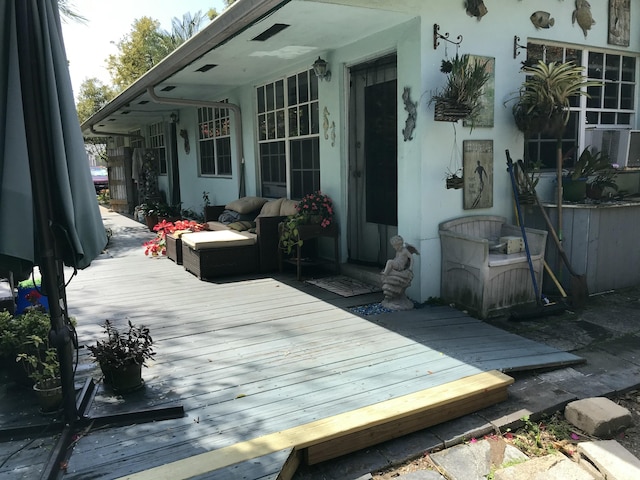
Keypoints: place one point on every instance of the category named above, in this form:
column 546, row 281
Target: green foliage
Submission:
column 543, row 101
column 39, row 359
column 289, row 236
column 93, row 95
column 465, row 82
column 15, row 331
column 185, row 28
column 123, row 348
column 145, row 46
column 596, row 167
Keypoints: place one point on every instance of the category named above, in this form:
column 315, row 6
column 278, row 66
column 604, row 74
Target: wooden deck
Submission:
column 250, row 358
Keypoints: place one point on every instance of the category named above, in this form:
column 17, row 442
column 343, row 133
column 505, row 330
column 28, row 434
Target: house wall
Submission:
column 423, row 200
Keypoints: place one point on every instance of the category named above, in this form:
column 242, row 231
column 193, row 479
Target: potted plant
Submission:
column 40, row 362
column 460, row 97
column 591, row 174
column 122, row 355
column 454, row 179
column 157, row 246
column 315, row 208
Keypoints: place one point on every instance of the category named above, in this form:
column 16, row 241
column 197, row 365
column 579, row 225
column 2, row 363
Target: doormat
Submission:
column 344, row 286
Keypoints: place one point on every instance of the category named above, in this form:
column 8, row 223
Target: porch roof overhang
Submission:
column 226, row 54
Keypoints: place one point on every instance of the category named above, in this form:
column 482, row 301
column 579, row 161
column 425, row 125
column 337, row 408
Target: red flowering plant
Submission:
column 158, row 245
column 317, row 204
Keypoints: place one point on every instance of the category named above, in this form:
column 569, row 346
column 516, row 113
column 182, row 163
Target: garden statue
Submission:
column 397, row 275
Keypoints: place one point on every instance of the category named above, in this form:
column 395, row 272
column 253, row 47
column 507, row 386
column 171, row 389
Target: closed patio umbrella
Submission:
column 49, row 214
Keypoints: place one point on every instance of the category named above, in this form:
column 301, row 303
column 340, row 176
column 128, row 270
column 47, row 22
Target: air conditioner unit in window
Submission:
column 621, row 145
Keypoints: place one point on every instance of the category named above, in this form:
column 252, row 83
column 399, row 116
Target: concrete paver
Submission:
column 549, row 467
column 598, row 416
column 612, row 459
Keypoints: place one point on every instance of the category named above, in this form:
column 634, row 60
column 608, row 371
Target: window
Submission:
column 214, row 139
column 156, row 143
column 611, row 104
column 137, row 141
column 289, row 136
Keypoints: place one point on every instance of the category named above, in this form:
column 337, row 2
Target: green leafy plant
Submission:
column 120, row 349
column 316, row 205
column 464, row 87
column 289, row 234
column 39, row 359
column 543, row 100
column 15, row 331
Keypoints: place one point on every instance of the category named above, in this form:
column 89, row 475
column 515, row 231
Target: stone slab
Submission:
column 613, row 460
column 549, row 467
column 474, row 461
column 598, row 416
column 421, row 475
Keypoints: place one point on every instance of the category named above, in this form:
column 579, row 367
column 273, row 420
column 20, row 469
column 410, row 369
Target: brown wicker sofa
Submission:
column 236, row 247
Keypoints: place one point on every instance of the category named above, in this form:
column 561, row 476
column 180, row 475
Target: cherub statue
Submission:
column 397, row 275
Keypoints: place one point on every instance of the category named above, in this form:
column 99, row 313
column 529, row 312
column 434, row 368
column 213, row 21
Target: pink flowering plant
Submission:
column 317, row 203
column 158, row 246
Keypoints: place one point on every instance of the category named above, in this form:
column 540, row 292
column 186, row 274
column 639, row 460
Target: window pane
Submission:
column 611, row 95
column 207, row 166
column 628, row 69
column 304, row 120
column 303, row 87
column 280, row 121
column 612, row 70
column 223, row 150
column 261, row 104
column 313, row 83
column 624, row 119
column 596, row 69
column 280, row 94
column 293, row 90
column 315, row 120
column 573, row 55
column 262, row 127
column 293, row 122
column 554, row 54
column 271, row 126
column 608, row 118
column 592, row 118
column 596, row 97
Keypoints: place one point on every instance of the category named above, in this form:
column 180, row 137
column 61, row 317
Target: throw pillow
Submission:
column 228, row 216
column 246, row 204
column 288, row 208
column 271, row 208
column 241, row 226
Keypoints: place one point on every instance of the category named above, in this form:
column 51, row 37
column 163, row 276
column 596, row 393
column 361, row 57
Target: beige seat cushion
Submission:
column 246, row 205
column 215, row 226
column 218, row 239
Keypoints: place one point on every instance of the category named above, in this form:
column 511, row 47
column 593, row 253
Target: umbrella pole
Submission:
column 50, row 267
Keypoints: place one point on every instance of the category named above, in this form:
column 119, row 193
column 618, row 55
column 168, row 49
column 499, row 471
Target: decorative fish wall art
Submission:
column 542, row 19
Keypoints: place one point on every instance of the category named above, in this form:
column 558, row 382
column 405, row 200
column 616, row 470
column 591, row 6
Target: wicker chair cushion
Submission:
column 218, row 239
column 288, row 207
column 246, row 204
column 271, row 208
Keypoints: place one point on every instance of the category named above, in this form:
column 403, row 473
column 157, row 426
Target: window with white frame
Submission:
column 214, row 140
column 136, row 141
column 156, row 143
column 611, row 104
column 289, row 136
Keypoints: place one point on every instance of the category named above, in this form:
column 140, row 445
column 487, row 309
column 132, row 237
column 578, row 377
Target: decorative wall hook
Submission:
column 438, row 36
column 517, row 46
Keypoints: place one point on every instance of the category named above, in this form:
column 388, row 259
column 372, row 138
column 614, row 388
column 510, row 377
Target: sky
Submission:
column 88, row 45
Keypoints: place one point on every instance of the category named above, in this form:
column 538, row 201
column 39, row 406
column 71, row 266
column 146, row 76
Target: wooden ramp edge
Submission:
column 350, row 431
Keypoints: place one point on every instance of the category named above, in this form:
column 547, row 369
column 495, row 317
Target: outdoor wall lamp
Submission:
column 321, row 70
column 173, row 118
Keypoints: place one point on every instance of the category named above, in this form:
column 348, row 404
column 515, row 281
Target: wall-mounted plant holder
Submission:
column 445, row 112
column 437, row 36
column 516, row 46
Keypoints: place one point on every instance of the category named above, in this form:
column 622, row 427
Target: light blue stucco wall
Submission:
column 423, row 200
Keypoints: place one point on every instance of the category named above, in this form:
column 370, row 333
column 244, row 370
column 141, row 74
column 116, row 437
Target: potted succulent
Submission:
column 460, row 97
column 122, row 355
column 315, row 208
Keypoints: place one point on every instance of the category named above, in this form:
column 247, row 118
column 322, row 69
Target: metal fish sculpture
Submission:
column 542, row 19
column 582, row 15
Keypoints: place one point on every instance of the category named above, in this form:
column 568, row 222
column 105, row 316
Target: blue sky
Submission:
column 88, row 45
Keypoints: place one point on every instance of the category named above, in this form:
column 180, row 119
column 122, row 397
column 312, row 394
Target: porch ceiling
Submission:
column 314, row 28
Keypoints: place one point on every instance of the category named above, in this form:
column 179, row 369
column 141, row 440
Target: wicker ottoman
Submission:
column 219, row 253
column 174, row 248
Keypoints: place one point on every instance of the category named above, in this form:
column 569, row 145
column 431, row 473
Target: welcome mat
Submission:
column 344, row 286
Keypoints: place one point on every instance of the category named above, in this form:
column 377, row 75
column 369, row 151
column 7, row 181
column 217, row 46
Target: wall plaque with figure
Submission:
column 477, row 158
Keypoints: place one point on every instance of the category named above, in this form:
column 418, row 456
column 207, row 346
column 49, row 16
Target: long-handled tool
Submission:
column 579, row 289
column 545, row 307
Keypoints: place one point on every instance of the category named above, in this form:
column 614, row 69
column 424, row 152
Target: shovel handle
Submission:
column 552, row 230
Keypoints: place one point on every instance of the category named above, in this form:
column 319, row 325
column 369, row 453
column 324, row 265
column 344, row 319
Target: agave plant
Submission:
column 543, row 100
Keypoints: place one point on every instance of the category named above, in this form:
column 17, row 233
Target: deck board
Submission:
column 253, row 355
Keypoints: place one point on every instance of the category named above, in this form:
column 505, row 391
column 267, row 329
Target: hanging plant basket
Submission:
column 455, row 182
column 448, row 112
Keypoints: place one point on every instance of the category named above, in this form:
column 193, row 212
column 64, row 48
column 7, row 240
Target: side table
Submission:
column 309, row 232
column 174, row 248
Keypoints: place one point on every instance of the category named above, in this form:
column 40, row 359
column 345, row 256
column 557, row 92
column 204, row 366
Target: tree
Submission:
column 93, row 95
column 67, row 12
column 182, row 30
column 139, row 51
